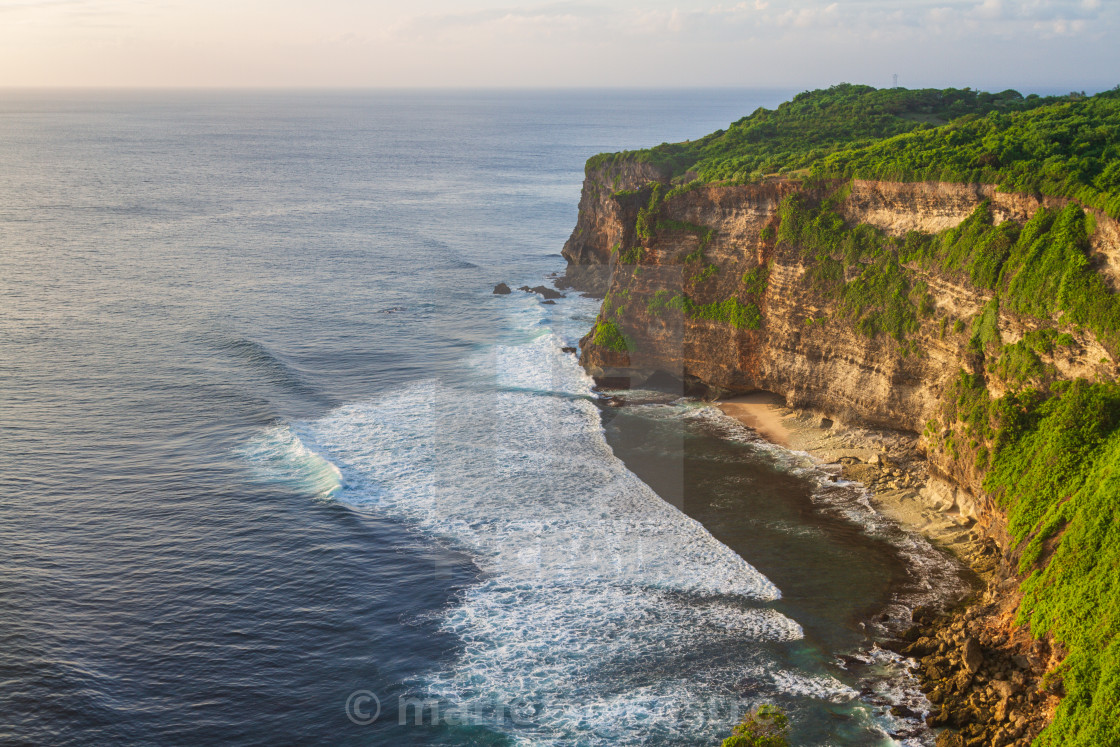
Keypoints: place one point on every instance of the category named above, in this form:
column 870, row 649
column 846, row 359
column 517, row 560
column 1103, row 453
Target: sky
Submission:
column 1044, row 45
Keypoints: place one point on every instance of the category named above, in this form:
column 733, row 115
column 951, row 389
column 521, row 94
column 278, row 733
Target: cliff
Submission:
column 917, row 306
column 802, row 345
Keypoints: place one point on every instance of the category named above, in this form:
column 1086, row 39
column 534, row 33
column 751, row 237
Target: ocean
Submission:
column 278, row 467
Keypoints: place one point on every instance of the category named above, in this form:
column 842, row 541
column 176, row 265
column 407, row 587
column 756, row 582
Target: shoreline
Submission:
column 888, row 463
column 984, row 676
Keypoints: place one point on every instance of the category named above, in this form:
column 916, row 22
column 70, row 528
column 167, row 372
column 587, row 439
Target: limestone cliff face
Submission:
column 935, row 206
column 603, row 222
column 799, row 345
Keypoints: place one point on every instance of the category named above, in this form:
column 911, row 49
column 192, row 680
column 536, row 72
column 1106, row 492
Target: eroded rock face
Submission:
column 797, row 343
column 898, row 207
column 801, row 345
column 603, row 220
column 801, row 348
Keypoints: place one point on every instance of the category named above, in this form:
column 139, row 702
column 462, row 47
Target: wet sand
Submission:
column 888, row 463
column 762, row 412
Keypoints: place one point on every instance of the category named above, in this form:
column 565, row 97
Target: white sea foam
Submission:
column 613, row 616
column 934, row 578
column 279, row 455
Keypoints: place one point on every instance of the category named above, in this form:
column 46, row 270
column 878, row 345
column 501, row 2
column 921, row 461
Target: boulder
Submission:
column 501, row 289
column 972, row 656
column 542, row 290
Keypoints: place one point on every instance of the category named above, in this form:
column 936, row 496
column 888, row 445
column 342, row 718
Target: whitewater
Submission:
column 603, row 612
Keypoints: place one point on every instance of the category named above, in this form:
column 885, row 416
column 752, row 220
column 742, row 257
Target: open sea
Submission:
column 276, row 466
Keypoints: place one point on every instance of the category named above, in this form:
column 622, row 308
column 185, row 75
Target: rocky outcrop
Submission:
column 985, row 679
column 602, row 221
column 709, row 296
column 542, row 290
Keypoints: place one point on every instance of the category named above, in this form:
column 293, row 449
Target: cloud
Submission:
column 14, row 5
column 568, row 42
column 445, row 23
column 746, row 20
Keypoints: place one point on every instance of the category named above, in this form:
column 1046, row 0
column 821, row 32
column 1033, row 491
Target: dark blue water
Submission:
column 267, row 441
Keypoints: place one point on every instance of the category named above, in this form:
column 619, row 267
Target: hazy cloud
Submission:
column 557, row 42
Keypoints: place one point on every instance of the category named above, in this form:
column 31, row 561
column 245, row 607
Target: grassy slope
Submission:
column 1051, row 448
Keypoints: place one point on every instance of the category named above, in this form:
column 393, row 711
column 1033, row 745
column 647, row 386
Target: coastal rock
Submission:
column 950, row 739
column 972, row 656
column 984, row 708
column 543, row 290
column 501, row 289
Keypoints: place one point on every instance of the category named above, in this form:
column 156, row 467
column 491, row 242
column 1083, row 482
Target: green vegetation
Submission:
column 1019, row 363
column 608, row 335
column 756, row 280
column 704, row 274
column 646, row 223
column 658, row 302
column 985, row 327
column 1067, row 146
column 650, row 221
column 633, row 256
column 614, row 304
column 765, row 726
column 1055, row 466
column 683, row 189
column 882, row 296
column 1040, row 269
column 813, row 125
column 732, row 311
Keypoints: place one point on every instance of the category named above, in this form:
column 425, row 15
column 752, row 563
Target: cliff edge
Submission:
column 984, row 321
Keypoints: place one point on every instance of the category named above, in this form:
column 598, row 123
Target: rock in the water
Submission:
column 902, row 711
column 569, row 350
column 542, row 290
column 549, row 301
column 972, row 656
column 501, row 289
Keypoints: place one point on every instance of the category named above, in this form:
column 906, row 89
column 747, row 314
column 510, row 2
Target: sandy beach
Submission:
column 889, row 463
